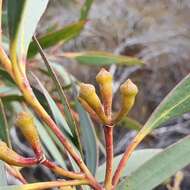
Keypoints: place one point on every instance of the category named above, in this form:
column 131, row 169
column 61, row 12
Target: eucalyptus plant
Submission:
column 58, row 127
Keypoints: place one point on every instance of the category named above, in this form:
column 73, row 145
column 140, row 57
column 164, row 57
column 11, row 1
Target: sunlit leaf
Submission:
column 22, row 23
column 175, row 104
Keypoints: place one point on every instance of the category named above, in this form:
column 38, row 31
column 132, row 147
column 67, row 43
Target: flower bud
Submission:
column 104, row 79
column 128, row 91
column 26, row 124
column 88, row 94
column 11, row 157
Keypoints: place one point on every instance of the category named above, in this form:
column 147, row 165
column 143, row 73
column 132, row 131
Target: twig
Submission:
column 60, row 171
column 53, row 184
column 108, row 131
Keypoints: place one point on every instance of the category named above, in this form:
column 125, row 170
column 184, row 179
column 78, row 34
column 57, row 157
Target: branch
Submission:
column 53, row 184
column 60, row 171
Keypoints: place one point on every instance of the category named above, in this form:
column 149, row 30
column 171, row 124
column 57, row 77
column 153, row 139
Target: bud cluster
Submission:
column 103, row 111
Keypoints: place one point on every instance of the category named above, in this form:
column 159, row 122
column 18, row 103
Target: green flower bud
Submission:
column 11, row 157
column 88, row 94
column 105, row 81
column 26, row 124
column 128, row 92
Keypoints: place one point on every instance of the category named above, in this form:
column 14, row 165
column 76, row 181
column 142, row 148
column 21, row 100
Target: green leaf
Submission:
column 138, row 158
column 85, row 9
column 63, row 73
column 11, row 98
column 61, row 36
column 3, row 175
column 175, row 104
column 49, row 144
column 89, row 139
column 130, row 123
column 9, row 92
column 6, row 76
column 23, row 17
column 4, row 128
column 101, row 58
column 159, row 168
column 60, row 120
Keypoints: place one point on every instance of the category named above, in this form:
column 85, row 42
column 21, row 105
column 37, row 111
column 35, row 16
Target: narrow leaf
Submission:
column 85, row 9
column 61, row 36
column 138, row 158
column 159, row 168
column 89, row 139
column 130, row 123
column 63, row 73
column 22, row 23
column 101, row 58
column 175, row 104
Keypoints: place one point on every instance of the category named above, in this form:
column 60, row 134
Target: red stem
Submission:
column 62, row 171
column 108, row 131
column 27, row 161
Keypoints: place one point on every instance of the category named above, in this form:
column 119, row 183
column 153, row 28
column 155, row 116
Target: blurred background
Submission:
column 158, row 32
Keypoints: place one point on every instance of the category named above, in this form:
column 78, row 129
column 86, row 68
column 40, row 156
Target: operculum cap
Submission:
column 104, row 77
column 128, row 88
